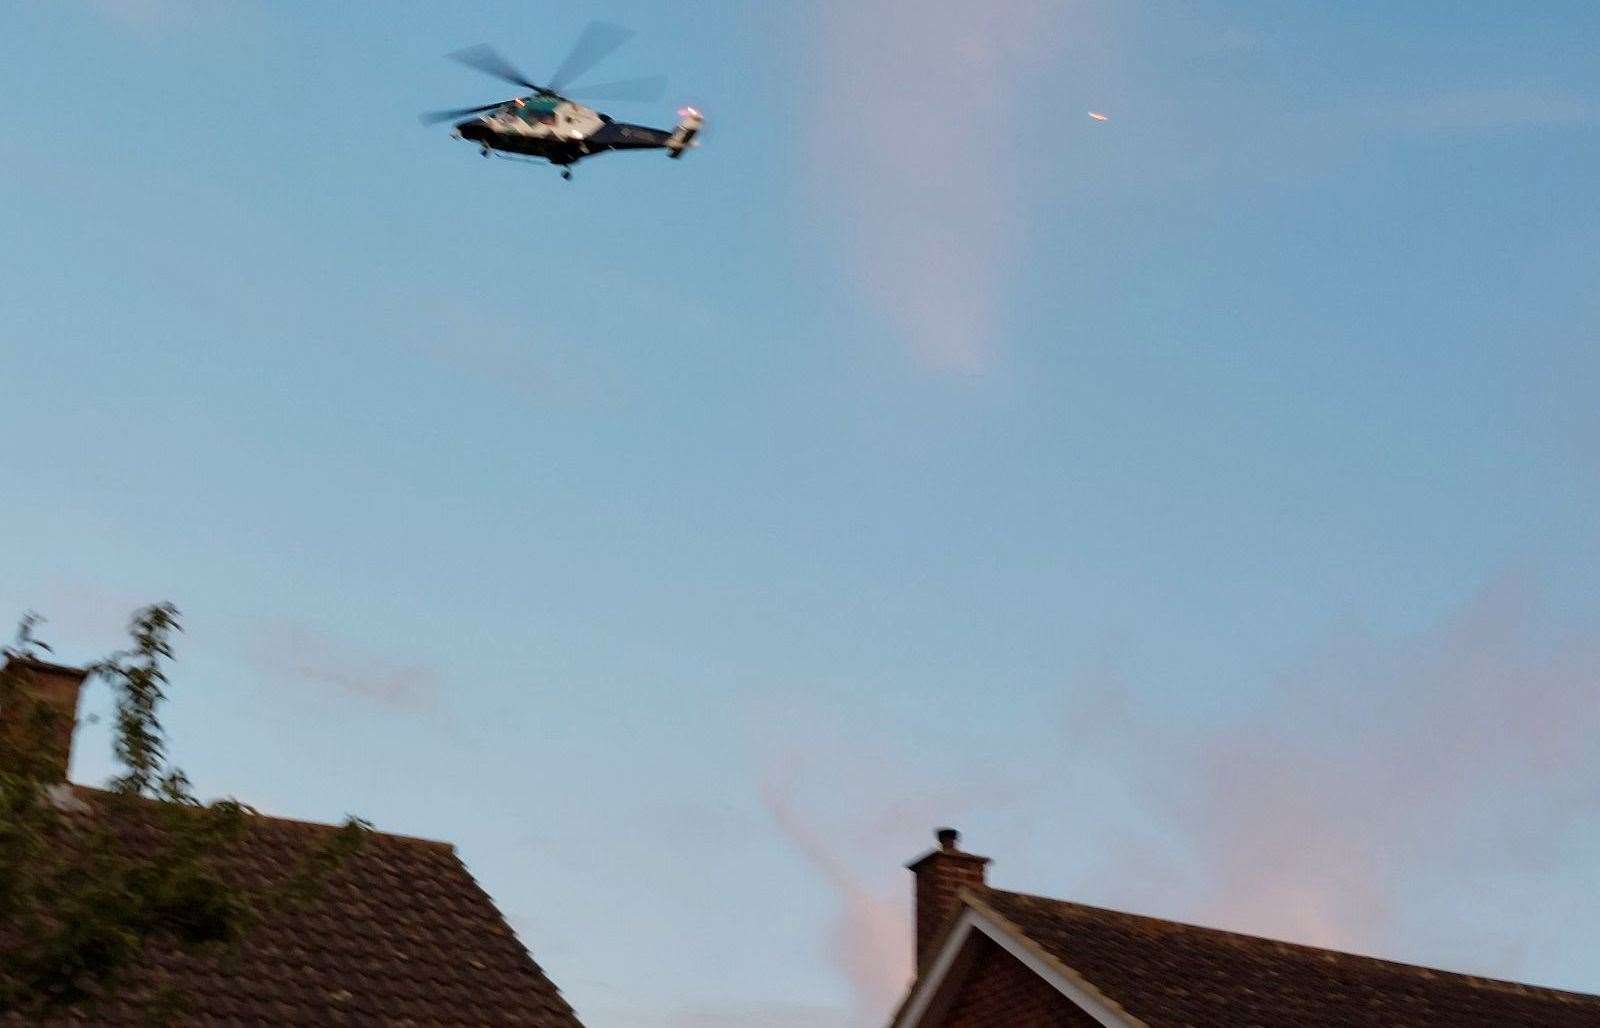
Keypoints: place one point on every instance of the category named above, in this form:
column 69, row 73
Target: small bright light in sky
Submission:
column 1066, row 419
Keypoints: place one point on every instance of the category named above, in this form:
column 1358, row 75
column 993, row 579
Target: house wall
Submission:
column 999, row 990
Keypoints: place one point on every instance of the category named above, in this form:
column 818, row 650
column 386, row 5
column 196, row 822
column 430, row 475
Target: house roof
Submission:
column 1164, row 973
column 401, row 934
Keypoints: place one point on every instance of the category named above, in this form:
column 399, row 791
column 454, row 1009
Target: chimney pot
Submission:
column 949, row 839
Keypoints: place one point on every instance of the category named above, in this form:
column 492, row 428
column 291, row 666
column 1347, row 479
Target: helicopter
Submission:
column 545, row 124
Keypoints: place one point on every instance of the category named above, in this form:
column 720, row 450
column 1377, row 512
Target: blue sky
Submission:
column 1197, row 508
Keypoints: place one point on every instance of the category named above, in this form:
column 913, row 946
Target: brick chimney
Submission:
column 53, row 691
column 940, row 877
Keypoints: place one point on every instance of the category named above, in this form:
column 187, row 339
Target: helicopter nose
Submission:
column 470, row 129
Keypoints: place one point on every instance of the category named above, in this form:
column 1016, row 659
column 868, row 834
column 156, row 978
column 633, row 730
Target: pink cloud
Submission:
column 1464, row 753
column 303, row 654
column 856, row 813
column 84, row 621
column 912, row 130
column 870, row 938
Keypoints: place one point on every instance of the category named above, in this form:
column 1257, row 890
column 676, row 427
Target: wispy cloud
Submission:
column 851, row 808
column 870, row 937
column 1464, row 753
column 84, row 621
column 914, row 123
column 310, row 656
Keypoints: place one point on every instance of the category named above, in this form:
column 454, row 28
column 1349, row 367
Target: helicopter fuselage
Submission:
column 563, row 132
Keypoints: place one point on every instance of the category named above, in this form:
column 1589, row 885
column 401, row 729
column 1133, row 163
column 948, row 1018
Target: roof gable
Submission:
column 1125, row 970
column 935, row 991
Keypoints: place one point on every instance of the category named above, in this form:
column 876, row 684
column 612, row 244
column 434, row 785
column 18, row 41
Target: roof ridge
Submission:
column 1246, row 940
column 298, row 823
column 38, row 664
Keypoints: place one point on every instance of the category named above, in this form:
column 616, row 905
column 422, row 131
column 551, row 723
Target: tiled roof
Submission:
column 401, row 935
column 1169, row 974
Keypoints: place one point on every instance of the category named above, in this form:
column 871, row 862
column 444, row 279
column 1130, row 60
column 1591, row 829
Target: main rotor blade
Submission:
column 434, row 117
column 597, row 41
column 487, row 59
column 648, row 88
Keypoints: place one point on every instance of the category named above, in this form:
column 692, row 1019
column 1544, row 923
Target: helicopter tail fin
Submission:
column 682, row 138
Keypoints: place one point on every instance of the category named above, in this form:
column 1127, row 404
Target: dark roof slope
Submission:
column 1170, row 974
column 400, row 935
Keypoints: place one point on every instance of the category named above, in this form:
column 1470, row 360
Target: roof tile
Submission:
column 401, row 933
column 1169, row 975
